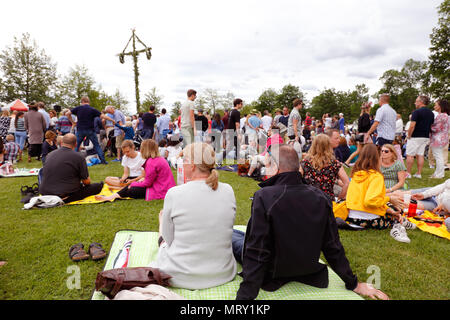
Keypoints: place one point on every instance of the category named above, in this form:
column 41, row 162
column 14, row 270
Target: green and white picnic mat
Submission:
column 145, row 248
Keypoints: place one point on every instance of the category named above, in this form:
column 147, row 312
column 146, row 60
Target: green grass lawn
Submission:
column 36, row 242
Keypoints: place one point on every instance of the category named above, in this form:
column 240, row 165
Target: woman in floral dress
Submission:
column 322, row 170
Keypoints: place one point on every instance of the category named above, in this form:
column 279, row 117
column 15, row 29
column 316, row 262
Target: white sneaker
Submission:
column 398, row 232
column 408, row 225
column 431, row 166
column 416, row 175
column 408, row 175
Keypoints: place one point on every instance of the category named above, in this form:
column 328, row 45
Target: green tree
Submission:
column 325, row 102
column 267, row 100
column 118, row 100
column 438, row 75
column 28, row 72
column 212, row 98
column 287, row 96
column 176, row 110
column 151, row 98
column 404, row 86
column 73, row 86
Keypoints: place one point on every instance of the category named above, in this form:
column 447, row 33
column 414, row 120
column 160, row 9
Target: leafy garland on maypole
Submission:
column 135, row 55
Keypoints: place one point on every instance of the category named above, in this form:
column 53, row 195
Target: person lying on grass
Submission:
column 158, row 177
column 291, row 223
column 132, row 162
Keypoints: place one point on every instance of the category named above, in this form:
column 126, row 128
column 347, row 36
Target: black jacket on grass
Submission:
column 290, row 224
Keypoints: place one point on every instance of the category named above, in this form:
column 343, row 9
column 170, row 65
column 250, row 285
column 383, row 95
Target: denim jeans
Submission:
column 147, row 133
column 91, row 135
column 428, row 203
column 237, row 242
column 20, row 137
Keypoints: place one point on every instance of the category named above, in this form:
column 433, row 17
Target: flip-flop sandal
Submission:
column 77, row 253
column 96, row 251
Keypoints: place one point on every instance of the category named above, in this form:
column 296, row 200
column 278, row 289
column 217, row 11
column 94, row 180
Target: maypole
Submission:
column 135, row 53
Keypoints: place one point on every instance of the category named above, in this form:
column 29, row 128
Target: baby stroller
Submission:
column 137, row 140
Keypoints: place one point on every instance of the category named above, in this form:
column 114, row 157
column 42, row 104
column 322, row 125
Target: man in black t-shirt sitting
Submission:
column 65, row 173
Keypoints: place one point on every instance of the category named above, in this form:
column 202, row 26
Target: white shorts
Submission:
column 416, row 146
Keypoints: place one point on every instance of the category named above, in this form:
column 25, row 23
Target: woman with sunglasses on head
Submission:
column 393, row 170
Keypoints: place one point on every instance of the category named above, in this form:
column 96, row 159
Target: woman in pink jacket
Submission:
column 158, row 177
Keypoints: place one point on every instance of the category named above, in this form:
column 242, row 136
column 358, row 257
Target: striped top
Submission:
column 20, row 124
column 391, row 173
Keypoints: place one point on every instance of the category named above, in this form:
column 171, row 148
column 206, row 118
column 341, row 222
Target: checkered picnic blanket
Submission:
column 145, row 248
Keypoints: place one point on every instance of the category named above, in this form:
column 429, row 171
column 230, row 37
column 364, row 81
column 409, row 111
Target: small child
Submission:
column 163, row 148
column 12, row 149
column 128, row 129
column 398, row 147
column 173, row 149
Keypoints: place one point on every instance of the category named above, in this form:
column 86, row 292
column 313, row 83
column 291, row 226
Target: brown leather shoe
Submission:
column 77, row 253
column 96, row 251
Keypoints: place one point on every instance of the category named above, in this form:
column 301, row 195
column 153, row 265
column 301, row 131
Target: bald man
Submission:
column 65, row 173
column 291, row 223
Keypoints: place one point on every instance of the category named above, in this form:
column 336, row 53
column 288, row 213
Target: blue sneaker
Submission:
column 116, row 160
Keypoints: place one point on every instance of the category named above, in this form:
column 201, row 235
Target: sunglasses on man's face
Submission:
column 385, row 151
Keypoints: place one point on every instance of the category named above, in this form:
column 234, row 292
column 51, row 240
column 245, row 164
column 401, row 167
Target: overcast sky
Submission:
column 240, row 46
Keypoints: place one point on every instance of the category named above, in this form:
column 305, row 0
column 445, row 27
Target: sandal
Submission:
column 96, row 251
column 24, row 190
column 35, row 188
column 77, row 253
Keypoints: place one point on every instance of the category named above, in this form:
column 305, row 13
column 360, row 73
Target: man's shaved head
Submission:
column 70, row 140
column 285, row 157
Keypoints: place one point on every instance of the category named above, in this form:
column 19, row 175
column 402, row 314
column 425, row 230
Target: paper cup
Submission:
column 406, row 198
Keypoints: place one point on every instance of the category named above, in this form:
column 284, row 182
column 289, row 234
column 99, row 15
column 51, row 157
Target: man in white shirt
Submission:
column 266, row 121
column 384, row 122
column 399, row 125
column 188, row 118
column 41, row 109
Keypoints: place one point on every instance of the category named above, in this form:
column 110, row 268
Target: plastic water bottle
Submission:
column 180, row 172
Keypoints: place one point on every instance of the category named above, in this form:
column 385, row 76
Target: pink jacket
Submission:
column 158, row 178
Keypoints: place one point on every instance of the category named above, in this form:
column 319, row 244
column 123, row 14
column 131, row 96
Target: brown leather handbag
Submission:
column 110, row 282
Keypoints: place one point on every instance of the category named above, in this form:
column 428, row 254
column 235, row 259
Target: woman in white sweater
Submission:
column 196, row 225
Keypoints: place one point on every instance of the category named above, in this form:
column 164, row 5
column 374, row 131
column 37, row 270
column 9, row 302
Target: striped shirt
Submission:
column 63, row 124
column 391, row 173
column 386, row 118
column 11, row 151
column 20, row 124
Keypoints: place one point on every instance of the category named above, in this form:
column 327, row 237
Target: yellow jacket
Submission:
column 366, row 192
